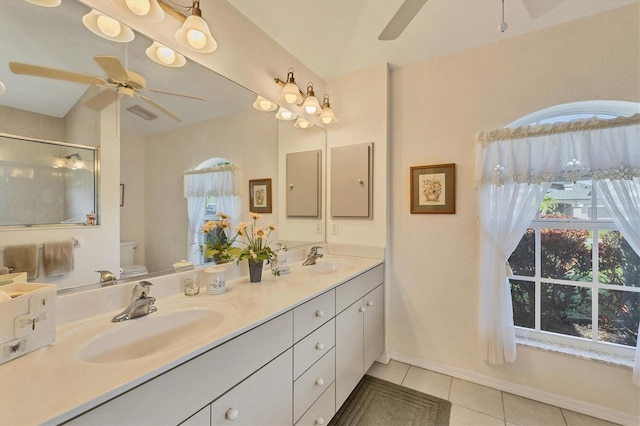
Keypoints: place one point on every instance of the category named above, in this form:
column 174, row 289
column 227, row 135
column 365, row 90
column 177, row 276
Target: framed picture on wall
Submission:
column 260, row 195
column 433, row 188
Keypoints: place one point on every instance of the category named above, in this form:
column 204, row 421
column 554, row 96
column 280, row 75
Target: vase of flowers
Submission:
column 256, row 245
column 218, row 242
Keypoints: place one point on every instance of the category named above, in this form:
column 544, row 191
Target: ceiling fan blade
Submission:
column 408, row 10
column 539, row 8
column 174, row 94
column 38, row 71
column 113, row 68
column 160, row 107
column 101, row 100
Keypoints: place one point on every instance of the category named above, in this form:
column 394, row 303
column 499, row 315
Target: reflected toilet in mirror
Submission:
column 128, row 268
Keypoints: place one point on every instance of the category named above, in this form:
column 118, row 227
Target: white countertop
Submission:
column 52, row 384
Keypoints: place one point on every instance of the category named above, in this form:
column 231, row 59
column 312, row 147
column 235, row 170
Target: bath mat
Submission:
column 376, row 402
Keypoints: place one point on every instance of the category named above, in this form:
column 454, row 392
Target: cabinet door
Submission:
column 265, row 398
column 373, row 325
column 349, row 350
column 201, row 418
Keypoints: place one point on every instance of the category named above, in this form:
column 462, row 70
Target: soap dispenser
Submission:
column 279, row 265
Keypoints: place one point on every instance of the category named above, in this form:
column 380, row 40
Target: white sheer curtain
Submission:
column 209, row 179
column 514, row 169
column 622, row 200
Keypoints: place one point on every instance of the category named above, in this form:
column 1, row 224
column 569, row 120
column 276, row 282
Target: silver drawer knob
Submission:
column 319, row 346
column 319, row 313
column 231, row 414
column 319, row 381
column 362, row 309
column 369, row 303
column 320, row 421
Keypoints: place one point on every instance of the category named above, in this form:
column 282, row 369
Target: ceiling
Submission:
column 335, row 37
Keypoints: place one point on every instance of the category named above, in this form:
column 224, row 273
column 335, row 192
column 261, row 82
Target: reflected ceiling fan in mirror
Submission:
column 410, row 8
column 118, row 81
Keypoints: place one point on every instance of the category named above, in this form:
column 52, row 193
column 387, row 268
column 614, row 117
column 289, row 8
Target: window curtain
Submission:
column 218, row 181
column 514, row 168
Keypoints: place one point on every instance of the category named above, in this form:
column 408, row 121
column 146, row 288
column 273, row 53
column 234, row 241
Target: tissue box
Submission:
column 28, row 320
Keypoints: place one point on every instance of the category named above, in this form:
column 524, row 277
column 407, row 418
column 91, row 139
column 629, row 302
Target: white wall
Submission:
column 437, row 108
column 362, row 113
column 132, row 176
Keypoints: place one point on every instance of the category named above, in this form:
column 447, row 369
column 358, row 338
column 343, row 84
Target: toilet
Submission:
column 127, row 254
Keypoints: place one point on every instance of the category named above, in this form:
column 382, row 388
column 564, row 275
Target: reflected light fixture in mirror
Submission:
column 327, row 116
column 107, row 27
column 45, row 3
column 264, row 105
column 301, row 123
column 285, row 114
column 195, row 34
column 150, row 9
column 163, row 55
column 311, row 104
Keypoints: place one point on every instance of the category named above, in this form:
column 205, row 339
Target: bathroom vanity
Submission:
column 285, row 351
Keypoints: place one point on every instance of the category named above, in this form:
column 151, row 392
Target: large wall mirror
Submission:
column 144, row 151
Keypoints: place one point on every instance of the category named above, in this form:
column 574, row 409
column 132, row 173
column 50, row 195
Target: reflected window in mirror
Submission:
column 213, row 198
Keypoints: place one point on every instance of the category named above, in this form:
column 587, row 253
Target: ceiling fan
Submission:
column 118, row 81
column 410, row 8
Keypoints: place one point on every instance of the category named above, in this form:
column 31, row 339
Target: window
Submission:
column 575, row 280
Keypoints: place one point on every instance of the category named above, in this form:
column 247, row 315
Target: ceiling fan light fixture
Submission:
column 301, row 123
column 45, row 3
column 264, row 105
column 285, row 115
column 150, row 9
column 311, row 104
column 107, row 27
column 195, row 33
column 163, row 55
column 327, row 115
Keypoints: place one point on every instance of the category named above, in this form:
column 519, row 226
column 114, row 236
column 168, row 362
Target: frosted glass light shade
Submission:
column 327, row 116
column 265, row 105
column 195, row 35
column 150, row 9
column 311, row 105
column 113, row 30
column 301, row 123
column 291, row 94
column 285, row 114
column 163, row 55
column 45, row 3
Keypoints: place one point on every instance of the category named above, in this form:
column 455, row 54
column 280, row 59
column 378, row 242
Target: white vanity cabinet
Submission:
column 359, row 329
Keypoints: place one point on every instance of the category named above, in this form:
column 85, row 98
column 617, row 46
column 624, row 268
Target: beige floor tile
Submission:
column 524, row 411
column 461, row 416
column 393, row 372
column 477, row 397
column 577, row 419
column 429, row 382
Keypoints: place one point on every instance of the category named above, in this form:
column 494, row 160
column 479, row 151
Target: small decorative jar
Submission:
column 215, row 280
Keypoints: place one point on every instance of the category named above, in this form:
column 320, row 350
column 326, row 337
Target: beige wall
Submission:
column 437, row 108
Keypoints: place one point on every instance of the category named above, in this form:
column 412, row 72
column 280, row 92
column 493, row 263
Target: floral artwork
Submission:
column 260, row 195
column 432, row 189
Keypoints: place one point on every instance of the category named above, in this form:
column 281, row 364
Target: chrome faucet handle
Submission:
column 141, row 290
column 282, row 247
column 314, row 250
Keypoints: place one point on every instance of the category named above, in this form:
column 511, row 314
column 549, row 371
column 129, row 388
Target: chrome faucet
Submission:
column 141, row 303
column 312, row 256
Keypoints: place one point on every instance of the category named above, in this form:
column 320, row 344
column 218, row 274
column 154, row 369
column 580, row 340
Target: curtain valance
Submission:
column 581, row 149
column 216, row 181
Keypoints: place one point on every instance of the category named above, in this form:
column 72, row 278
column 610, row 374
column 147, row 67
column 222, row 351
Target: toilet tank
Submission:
column 127, row 252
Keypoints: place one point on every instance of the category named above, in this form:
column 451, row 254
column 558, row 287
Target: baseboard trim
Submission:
column 520, row 390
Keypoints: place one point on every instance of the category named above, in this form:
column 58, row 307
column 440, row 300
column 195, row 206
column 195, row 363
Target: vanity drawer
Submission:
column 322, row 410
column 313, row 383
column 357, row 287
column 312, row 314
column 310, row 349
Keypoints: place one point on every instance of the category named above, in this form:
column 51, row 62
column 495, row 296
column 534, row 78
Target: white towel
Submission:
column 58, row 257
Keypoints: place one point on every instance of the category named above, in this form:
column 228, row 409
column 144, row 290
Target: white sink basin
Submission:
column 326, row 267
column 150, row 334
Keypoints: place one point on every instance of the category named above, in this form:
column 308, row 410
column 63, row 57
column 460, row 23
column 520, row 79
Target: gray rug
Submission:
column 376, row 402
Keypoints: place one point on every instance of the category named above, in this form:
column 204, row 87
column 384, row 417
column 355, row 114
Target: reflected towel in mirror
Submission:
column 58, row 257
column 22, row 258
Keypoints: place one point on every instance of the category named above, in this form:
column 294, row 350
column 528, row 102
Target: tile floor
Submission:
column 477, row 405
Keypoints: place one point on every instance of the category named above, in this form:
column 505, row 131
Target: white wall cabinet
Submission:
column 359, row 330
